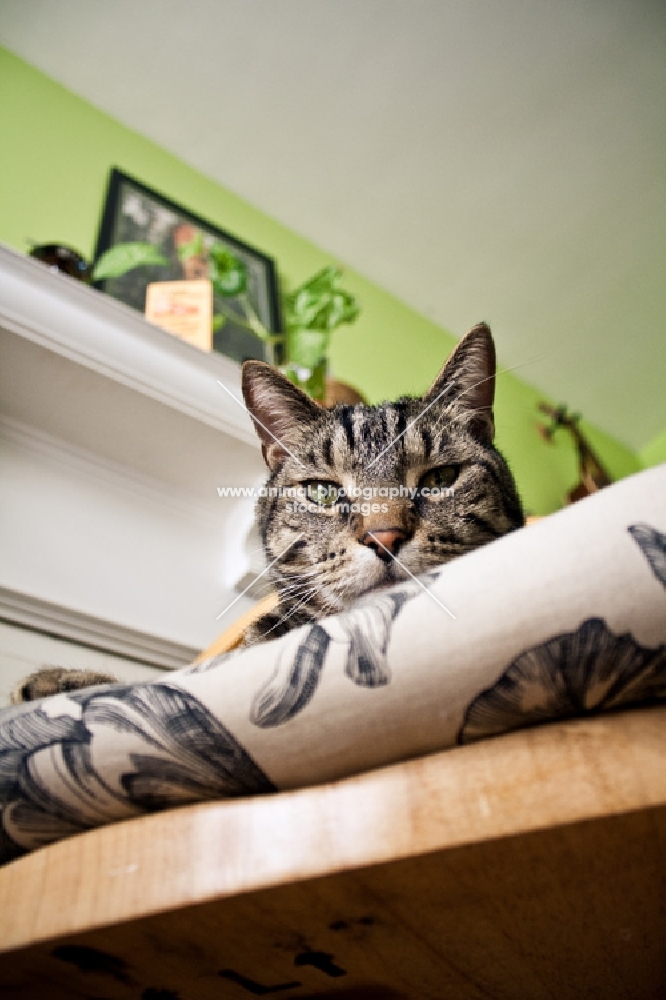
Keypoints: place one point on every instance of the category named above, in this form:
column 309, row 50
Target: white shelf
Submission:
column 114, row 437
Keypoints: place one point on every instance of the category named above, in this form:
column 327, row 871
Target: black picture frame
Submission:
column 134, row 212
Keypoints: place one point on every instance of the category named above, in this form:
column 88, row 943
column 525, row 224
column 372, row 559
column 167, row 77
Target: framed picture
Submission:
column 134, row 213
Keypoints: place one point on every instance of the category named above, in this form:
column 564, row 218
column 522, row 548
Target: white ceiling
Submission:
column 495, row 159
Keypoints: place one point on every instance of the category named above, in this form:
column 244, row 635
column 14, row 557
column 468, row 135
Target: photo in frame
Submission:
column 135, row 213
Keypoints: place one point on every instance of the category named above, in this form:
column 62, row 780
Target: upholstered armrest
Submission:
column 564, row 618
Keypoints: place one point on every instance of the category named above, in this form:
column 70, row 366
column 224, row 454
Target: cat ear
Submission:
column 278, row 408
column 466, row 383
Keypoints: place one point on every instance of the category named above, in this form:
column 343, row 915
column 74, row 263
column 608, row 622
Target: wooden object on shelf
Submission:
column 593, row 475
column 530, row 865
column 341, row 392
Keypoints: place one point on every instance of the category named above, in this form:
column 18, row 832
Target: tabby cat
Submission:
column 431, row 484
column 360, row 497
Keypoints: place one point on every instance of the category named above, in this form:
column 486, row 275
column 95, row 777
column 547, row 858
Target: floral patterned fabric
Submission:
column 564, row 618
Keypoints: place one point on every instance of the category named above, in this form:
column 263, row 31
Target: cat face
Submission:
column 363, row 496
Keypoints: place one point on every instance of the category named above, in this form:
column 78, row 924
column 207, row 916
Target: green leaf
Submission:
column 310, row 380
column 316, row 384
column 320, row 304
column 323, row 280
column 124, row 257
column 218, row 322
column 306, row 348
column 194, row 248
column 227, row 272
column 291, row 374
column 230, row 283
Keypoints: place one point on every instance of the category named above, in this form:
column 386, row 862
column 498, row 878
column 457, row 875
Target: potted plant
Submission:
column 311, row 312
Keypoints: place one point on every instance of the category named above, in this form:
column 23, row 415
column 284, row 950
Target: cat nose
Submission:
column 384, row 542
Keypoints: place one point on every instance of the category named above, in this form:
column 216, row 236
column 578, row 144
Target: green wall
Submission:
column 55, row 155
column 654, row 453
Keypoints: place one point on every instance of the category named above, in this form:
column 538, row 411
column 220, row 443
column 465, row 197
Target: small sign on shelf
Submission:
column 184, row 308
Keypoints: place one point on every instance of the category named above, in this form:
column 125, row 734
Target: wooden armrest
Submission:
column 231, row 638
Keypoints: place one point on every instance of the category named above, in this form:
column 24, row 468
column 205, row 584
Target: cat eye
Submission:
column 322, row 492
column 441, row 478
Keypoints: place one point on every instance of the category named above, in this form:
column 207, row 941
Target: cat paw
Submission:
column 57, row 680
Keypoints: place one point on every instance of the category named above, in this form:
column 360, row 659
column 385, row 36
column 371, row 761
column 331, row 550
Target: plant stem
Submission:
column 252, row 318
column 252, row 323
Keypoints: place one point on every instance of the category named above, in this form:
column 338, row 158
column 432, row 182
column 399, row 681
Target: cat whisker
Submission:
column 289, row 588
column 300, row 574
column 295, row 588
column 291, row 611
column 296, row 578
column 293, row 595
